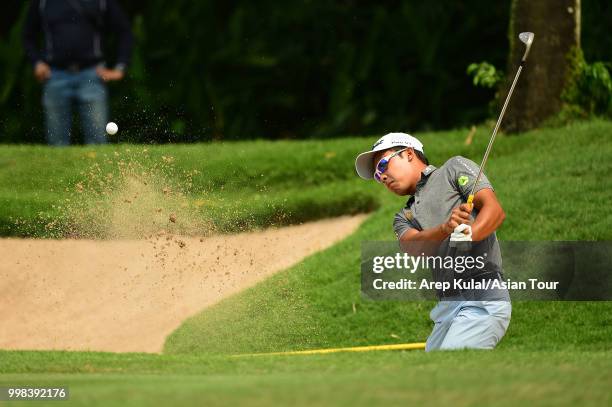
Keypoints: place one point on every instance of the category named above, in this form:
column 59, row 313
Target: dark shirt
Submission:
column 73, row 38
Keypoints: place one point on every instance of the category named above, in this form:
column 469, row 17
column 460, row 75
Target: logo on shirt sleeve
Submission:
column 463, row 180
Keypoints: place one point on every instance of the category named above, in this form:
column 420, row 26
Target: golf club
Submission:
column 527, row 39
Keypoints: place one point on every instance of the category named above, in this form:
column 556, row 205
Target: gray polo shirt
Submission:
column 439, row 191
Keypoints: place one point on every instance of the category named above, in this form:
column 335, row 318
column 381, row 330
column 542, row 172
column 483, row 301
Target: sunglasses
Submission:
column 383, row 164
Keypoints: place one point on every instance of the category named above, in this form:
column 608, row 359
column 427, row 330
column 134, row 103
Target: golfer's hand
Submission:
column 42, row 71
column 109, row 75
column 459, row 215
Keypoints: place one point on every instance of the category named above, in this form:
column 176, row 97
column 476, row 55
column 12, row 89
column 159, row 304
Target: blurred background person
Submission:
column 71, row 64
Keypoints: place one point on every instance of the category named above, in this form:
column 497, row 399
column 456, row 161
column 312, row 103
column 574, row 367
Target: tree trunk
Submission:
column 537, row 96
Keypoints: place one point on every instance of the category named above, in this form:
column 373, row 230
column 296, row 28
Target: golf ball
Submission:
column 111, row 128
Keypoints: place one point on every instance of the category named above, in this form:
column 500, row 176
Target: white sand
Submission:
column 129, row 295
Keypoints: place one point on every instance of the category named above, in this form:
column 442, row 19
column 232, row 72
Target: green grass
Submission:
column 242, row 185
column 554, row 184
column 317, row 303
column 464, row 378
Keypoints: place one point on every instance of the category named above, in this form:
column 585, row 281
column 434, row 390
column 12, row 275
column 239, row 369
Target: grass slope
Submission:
column 552, row 183
column 236, row 185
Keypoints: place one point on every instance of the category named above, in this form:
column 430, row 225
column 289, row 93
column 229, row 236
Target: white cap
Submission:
column 364, row 163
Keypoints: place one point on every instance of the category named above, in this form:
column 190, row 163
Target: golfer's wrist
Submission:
column 477, row 233
column 444, row 229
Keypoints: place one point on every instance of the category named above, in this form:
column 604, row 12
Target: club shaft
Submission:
column 499, row 120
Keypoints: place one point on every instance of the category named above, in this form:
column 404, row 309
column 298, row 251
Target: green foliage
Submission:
column 484, row 74
column 595, row 88
column 596, row 20
column 588, row 90
column 206, row 70
column 18, row 90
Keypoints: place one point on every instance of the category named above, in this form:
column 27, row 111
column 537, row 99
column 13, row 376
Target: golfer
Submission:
column 436, row 212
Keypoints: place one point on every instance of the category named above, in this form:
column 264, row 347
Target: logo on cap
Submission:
column 463, row 180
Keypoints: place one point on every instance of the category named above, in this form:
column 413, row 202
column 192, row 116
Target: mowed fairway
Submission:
column 553, row 184
column 503, row 378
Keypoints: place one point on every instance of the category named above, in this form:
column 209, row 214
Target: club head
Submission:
column 527, row 39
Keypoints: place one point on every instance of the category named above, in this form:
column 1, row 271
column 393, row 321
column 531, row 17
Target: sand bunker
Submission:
column 129, row 295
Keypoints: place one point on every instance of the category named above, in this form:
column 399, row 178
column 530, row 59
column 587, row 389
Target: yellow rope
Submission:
column 398, row 346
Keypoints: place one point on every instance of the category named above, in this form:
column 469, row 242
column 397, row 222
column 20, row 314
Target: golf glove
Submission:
column 459, row 239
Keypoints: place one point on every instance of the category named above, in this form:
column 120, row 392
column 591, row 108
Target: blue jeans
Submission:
column 87, row 91
column 468, row 324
